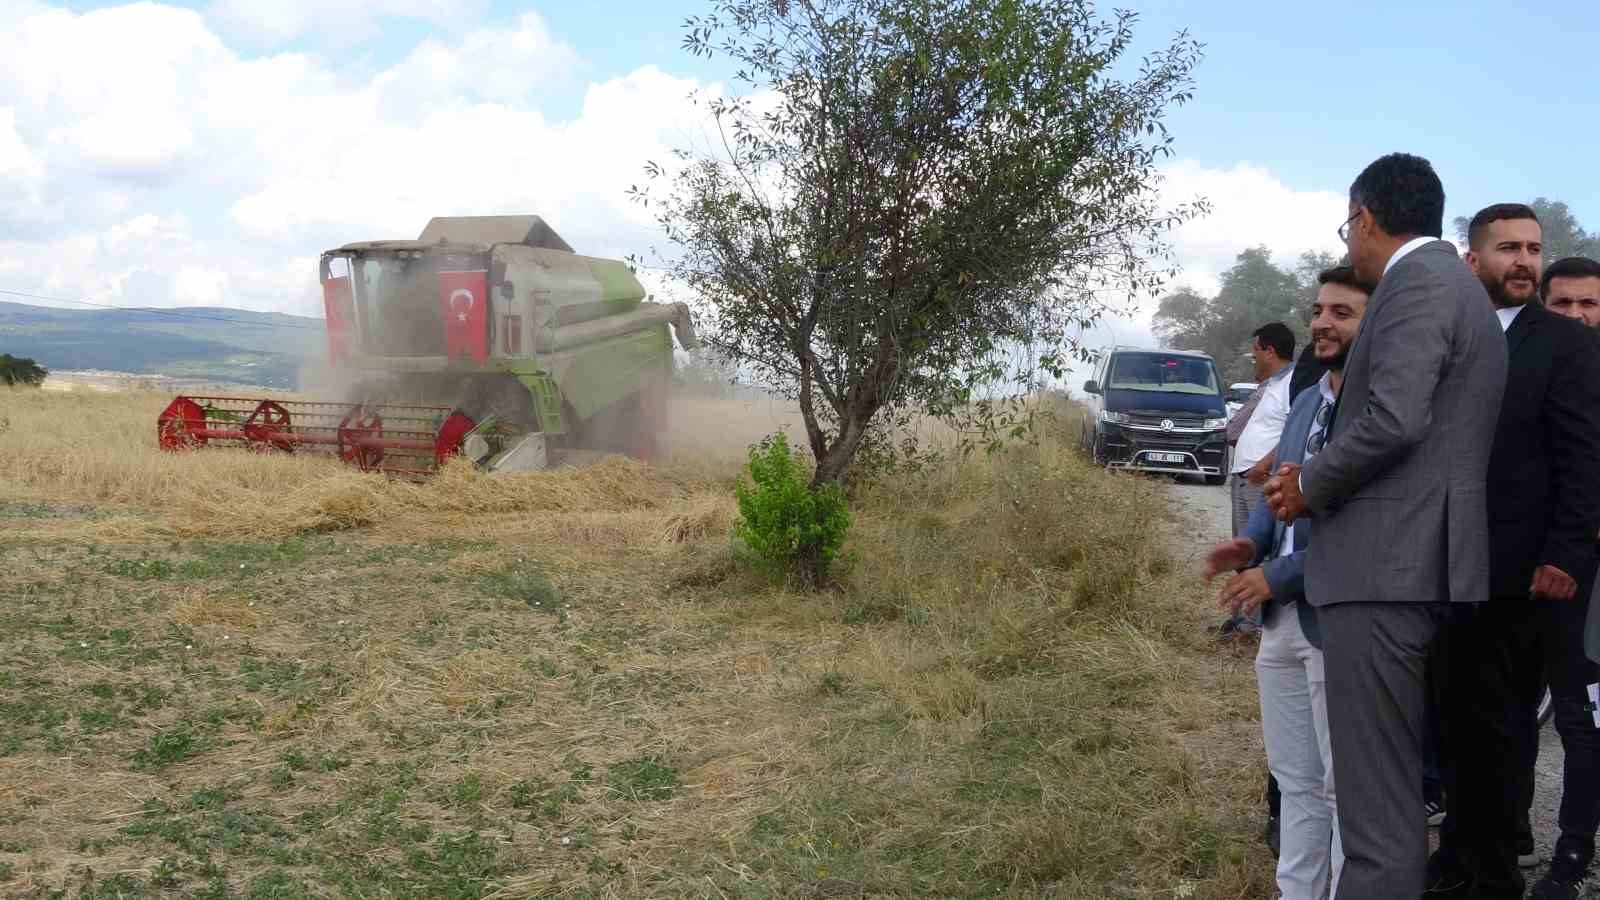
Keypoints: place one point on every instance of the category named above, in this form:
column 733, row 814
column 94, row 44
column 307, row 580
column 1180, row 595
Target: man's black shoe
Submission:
column 1445, row 880
column 1271, row 836
column 1450, row 887
column 1564, row 881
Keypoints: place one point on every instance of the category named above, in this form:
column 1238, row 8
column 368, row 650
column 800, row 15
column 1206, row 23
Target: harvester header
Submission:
column 487, row 336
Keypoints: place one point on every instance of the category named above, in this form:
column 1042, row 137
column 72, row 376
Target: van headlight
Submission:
column 1115, row 418
column 1214, row 424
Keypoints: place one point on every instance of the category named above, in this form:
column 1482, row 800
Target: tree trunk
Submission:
column 833, row 463
column 807, row 568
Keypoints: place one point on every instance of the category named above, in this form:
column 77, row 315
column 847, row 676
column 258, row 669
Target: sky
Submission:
column 203, row 153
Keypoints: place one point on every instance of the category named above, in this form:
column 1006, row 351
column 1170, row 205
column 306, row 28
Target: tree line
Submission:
column 1255, row 291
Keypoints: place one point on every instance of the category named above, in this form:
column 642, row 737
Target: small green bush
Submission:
column 788, row 525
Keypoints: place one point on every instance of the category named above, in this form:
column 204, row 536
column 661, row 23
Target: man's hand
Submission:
column 1551, row 582
column 1227, row 556
column 1257, row 474
column 1245, row 591
column 1283, row 493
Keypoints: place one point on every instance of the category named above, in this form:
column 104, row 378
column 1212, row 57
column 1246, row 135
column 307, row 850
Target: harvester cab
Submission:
column 486, row 336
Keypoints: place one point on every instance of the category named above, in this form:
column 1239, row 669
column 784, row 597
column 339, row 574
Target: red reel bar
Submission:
column 397, row 439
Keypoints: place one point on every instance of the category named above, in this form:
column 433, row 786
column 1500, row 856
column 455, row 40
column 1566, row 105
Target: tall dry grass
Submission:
column 1005, row 695
column 100, row 448
column 1008, row 694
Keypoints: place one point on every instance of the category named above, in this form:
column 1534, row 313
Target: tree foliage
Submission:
column 916, row 194
column 1562, row 234
column 1253, row 292
column 19, row 371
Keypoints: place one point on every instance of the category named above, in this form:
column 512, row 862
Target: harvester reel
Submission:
column 406, row 440
column 359, row 424
column 179, row 424
column 266, row 425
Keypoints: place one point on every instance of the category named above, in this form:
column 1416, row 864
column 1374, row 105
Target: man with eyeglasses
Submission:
column 1398, row 497
column 1544, row 508
column 1270, row 558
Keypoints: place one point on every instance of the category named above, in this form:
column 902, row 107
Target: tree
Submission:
column 914, row 190
column 1562, row 234
column 1183, row 319
column 1312, row 263
column 1253, row 292
column 18, row 371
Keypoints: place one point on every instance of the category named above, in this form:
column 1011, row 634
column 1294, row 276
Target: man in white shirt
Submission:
column 1272, row 348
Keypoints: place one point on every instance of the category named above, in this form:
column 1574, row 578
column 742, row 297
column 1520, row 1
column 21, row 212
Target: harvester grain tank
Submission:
column 486, row 336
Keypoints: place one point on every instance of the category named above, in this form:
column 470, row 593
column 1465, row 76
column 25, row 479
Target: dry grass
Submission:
column 289, row 679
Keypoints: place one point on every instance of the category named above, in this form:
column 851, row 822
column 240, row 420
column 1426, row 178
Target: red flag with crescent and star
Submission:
column 339, row 308
column 463, row 302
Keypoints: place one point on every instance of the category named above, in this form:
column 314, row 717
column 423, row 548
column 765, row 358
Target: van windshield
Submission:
column 1160, row 372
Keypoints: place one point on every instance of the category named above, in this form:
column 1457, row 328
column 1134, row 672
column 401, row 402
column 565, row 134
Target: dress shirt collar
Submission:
column 1507, row 314
column 1406, row 248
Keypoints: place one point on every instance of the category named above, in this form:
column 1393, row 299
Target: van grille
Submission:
column 1155, row 420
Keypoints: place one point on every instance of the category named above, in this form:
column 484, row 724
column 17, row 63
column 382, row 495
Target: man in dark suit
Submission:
column 1270, row 557
column 1544, row 508
column 1401, row 517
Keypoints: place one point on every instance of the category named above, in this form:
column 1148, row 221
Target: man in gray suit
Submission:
column 1400, row 501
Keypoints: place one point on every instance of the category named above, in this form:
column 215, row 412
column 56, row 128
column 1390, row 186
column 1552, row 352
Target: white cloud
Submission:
column 1249, row 207
column 504, row 65
column 145, row 161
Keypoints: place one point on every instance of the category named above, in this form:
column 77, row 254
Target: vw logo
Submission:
column 1166, row 424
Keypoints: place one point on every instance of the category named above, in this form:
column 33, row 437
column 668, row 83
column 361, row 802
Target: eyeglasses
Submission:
column 1315, row 443
column 1344, row 230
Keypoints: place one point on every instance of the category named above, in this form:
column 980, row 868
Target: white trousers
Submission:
column 1294, row 724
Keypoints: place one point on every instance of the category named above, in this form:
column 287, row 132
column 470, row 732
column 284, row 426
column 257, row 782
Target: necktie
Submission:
column 1242, row 417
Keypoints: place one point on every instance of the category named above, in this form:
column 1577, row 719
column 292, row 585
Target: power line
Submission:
column 156, row 312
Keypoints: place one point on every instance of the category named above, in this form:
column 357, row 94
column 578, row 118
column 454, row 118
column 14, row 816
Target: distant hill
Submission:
column 248, row 348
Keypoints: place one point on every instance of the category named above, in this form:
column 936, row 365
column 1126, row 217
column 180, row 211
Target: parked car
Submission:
column 1157, row 411
column 1238, row 393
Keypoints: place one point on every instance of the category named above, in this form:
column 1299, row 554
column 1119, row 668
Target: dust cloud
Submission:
column 722, row 428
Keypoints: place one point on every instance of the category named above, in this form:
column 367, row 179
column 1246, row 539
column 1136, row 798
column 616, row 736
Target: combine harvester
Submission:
column 486, row 337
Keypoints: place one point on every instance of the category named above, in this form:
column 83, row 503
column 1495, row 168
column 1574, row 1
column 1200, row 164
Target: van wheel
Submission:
column 1216, row 480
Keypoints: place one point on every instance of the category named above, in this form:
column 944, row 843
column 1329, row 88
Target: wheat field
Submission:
column 229, row 674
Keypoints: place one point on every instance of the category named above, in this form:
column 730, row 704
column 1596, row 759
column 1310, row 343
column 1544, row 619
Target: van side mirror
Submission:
column 1091, row 387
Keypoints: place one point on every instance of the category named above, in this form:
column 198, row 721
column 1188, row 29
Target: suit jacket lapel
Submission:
column 1523, row 325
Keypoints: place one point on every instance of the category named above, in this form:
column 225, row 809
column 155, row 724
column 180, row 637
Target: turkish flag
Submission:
column 339, row 308
column 463, row 304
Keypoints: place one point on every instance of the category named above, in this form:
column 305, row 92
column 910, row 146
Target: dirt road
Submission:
column 1206, row 509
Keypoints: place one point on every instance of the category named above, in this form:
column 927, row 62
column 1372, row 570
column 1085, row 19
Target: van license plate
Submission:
column 1165, row 457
